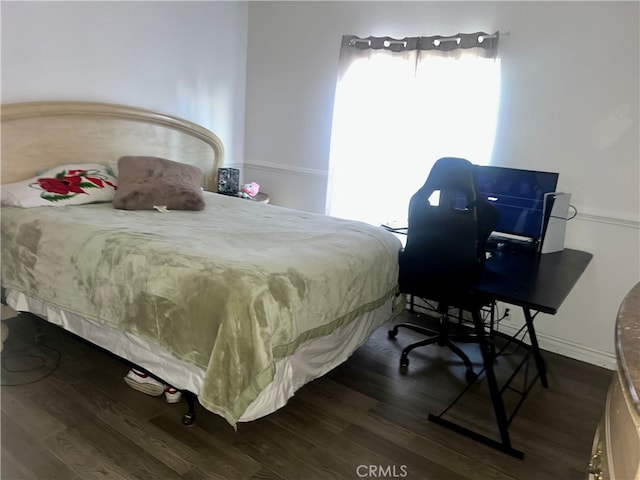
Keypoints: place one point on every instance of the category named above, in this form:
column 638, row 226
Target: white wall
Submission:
column 182, row 58
column 570, row 101
column 569, row 104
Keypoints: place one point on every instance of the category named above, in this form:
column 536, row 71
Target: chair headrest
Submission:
column 452, row 173
column 449, row 175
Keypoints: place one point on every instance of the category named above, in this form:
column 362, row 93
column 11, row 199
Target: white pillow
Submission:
column 74, row 184
column 113, row 168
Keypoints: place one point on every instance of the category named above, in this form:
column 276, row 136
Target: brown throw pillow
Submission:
column 148, row 182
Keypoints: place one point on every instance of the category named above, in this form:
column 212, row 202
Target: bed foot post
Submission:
column 189, row 418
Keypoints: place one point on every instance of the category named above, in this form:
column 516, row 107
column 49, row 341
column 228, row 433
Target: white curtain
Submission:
column 399, row 106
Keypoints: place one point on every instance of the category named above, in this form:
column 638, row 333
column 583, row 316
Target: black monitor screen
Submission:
column 518, row 196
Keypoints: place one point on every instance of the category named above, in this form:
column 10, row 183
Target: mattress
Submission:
column 230, row 293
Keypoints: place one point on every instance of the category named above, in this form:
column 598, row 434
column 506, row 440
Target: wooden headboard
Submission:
column 39, row 135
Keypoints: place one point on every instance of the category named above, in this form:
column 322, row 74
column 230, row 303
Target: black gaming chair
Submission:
column 445, row 251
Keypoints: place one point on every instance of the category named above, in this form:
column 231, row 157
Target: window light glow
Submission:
column 393, row 118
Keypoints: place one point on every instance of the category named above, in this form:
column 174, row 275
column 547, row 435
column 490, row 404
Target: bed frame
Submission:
column 83, row 132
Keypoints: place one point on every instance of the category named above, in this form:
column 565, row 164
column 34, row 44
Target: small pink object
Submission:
column 250, row 189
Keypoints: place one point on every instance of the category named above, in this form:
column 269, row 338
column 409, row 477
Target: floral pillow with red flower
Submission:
column 64, row 185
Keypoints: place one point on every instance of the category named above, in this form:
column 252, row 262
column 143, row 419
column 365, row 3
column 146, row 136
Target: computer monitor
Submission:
column 519, row 196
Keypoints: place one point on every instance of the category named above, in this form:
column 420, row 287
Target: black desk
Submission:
column 533, row 282
column 536, row 282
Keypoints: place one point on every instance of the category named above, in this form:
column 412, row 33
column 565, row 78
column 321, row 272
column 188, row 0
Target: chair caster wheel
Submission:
column 470, row 376
column 189, row 419
column 393, row 333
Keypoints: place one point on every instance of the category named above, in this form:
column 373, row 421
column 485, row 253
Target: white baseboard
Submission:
column 569, row 349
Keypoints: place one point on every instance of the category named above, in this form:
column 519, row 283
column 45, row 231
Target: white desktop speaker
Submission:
column 554, row 226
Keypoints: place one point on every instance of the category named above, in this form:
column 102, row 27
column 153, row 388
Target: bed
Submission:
column 237, row 302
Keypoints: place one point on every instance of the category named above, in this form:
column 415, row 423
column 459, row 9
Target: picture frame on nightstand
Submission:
column 228, row 181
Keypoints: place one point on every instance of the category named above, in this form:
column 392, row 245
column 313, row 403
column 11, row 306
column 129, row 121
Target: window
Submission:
column 399, row 106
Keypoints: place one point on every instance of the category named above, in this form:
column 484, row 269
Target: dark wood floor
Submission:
column 364, row 419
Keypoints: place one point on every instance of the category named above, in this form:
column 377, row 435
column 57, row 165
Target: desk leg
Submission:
column 488, row 357
column 535, row 349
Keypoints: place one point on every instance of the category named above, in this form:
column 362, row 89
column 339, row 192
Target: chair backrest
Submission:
column 447, row 232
